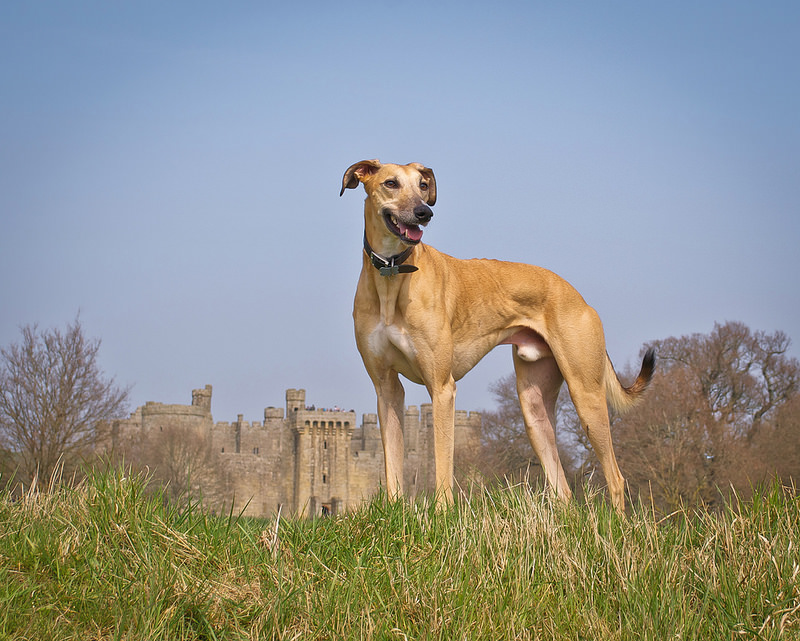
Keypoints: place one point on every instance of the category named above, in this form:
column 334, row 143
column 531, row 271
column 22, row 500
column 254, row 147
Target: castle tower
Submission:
column 202, row 397
column 368, row 435
column 295, row 401
column 322, row 453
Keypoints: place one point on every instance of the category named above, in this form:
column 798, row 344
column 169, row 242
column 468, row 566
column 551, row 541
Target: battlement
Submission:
column 158, row 409
column 341, row 424
column 273, row 413
column 239, row 425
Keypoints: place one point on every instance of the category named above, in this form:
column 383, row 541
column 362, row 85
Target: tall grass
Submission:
column 108, row 560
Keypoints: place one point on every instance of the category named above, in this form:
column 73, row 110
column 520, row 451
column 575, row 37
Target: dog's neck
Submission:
column 389, row 265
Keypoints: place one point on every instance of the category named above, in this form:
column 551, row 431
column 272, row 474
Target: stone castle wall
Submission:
column 301, row 460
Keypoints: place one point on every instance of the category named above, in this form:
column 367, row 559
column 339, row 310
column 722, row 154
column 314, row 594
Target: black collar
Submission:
column 392, row 265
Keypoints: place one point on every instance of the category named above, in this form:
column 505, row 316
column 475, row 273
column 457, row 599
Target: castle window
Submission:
column 324, row 445
column 347, row 423
column 223, row 450
column 255, row 450
column 324, row 478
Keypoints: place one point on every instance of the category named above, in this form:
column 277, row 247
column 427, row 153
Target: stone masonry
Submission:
column 303, row 460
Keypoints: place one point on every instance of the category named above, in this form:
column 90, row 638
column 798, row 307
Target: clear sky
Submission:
column 172, row 172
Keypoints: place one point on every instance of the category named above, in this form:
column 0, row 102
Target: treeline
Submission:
column 722, row 414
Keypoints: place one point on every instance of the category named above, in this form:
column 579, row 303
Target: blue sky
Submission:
column 172, row 173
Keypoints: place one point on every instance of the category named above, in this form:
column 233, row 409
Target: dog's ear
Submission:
column 358, row 172
column 428, row 175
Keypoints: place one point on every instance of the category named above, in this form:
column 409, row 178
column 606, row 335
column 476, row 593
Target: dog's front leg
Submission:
column 391, row 400
column 444, row 408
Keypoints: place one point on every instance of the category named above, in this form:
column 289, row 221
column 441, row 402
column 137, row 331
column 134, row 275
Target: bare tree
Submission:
column 660, row 447
column 705, row 425
column 54, row 401
column 742, row 376
column 183, row 461
column 778, row 444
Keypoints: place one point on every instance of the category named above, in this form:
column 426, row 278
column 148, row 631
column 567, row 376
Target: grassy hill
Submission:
column 108, row 560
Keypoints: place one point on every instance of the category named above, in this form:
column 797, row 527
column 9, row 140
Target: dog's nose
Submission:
column 423, row 213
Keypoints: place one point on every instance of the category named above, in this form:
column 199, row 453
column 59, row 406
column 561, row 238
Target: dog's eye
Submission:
column 391, row 184
column 423, row 185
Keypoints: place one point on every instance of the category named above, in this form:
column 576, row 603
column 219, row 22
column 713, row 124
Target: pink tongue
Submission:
column 412, row 233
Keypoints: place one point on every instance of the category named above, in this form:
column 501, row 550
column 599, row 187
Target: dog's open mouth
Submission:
column 411, row 234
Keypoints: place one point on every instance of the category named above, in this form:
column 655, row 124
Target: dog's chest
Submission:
column 393, row 345
column 385, row 339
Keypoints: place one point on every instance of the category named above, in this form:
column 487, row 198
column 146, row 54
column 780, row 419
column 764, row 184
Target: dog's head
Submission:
column 401, row 195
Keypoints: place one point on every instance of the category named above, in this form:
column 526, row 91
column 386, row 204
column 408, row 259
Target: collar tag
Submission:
column 389, row 270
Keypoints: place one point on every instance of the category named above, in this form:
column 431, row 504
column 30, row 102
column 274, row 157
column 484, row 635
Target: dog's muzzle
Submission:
column 408, row 232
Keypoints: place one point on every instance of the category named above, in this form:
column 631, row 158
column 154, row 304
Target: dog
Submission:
column 431, row 317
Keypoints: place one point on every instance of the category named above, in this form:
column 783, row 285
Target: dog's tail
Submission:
column 622, row 398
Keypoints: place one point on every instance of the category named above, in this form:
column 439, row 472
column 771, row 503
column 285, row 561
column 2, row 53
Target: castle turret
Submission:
column 295, row 401
column 369, row 431
column 202, row 397
column 272, row 413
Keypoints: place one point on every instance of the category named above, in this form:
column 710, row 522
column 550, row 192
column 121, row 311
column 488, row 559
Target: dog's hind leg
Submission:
column 588, row 396
column 538, row 383
column 582, row 360
column 593, row 413
column 588, row 392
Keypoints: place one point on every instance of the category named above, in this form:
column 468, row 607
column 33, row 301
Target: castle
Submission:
column 302, row 460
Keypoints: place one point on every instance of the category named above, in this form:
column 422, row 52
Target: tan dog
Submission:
column 431, row 318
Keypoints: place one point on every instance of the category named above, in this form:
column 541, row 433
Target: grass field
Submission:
column 109, row 561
